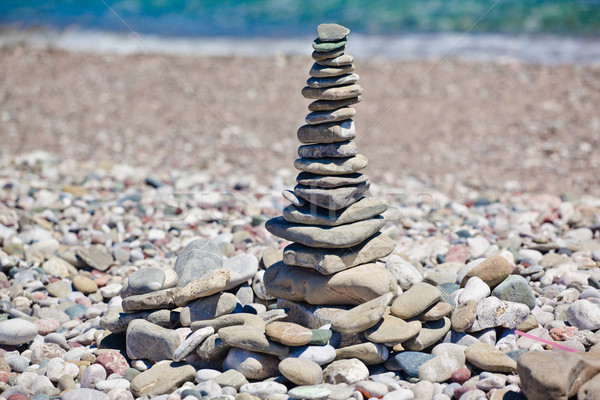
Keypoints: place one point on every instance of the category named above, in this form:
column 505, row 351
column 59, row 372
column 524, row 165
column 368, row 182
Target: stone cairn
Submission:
column 326, row 314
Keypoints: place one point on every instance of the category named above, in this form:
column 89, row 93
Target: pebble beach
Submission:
column 135, row 260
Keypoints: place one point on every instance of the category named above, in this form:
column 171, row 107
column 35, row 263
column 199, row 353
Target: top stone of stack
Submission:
column 332, row 32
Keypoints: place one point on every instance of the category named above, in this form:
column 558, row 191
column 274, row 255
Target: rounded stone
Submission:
column 251, row 364
column 146, row 280
column 17, row 331
column 346, row 371
column 289, row 333
column 301, row 371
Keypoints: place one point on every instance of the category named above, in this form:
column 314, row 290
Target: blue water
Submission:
column 292, row 18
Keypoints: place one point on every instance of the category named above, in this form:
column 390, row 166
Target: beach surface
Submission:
column 453, row 125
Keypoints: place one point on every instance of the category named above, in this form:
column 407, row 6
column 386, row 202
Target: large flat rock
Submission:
column 363, row 209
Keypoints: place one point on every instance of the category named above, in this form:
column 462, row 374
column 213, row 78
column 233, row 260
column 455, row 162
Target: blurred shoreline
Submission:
column 536, row 49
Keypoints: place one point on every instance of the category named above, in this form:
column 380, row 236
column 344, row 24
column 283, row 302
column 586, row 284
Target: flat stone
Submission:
column 492, row 271
column 410, row 361
column 208, row 308
column 320, row 355
column 493, row 312
column 436, row 312
column 329, row 150
column 364, row 208
column 333, row 199
column 146, row 340
column 464, row 316
column 332, row 81
column 251, row 364
column 146, row 280
column 415, row 300
column 242, row 268
column 231, row 378
column 332, row 32
column 330, row 261
column 343, row 59
column 214, row 282
column 190, row 343
column 332, row 166
column 332, row 93
column 96, row 257
column 323, row 46
column 369, row 353
column 250, row 338
column 333, row 181
column 290, row 196
column 118, row 322
column 515, row 288
column 430, row 333
column 289, row 333
column 322, row 117
column 213, row 348
column 320, row 337
column 442, row 366
column 349, row 287
column 162, row 378
column 196, row 260
column 231, row 320
column 327, row 133
column 309, row 393
column 342, row 236
column 17, row 331
column 591, row 389
column 393, row 330
column 151, row 301
column 301, row 371
column 362, row 317
column 345, row 371
column 327, row 105
column 488, row 358
column 319, row 55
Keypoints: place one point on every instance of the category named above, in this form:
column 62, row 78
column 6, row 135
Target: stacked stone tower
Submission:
column 334, row 226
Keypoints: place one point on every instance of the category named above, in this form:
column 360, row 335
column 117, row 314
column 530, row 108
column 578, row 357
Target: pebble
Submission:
column 415, row 300
column 345, row 371
column 17, row 331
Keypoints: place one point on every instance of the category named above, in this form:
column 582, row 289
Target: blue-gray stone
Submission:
column 76, row 310
column 515, row 288
column 199, row 258
column 446, row 297
column 410, row 361
column 514, row 354
column 146, row 280
column 449, row 287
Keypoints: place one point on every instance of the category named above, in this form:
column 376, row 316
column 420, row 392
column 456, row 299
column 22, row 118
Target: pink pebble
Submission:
column 462, row 390
column 84, row 301
column 113, row 362
column 461, row 375
column 39, row 296
column 458, row 253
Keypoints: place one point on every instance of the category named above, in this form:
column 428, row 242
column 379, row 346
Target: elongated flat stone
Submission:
column 350, row 287
column 318, row 55
column 362, row 317
column 329, row 150
column 342, row 236
column 393, row 329
column 332, row 81
column 330, row 261
column 430, row 333
column 323, row 117
column 151, row 301
column 332, row 32
column 322, row 46
column 325, row 181
column 332, row 93
column 332, row 166
column 365, row 208
column 250, row 338
column 230, row 320
column 332, row 199
column 327, row 133
column 344, row 59
column 324, row 105
column 415, row 300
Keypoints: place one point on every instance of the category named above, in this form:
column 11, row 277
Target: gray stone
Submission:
column 332, row 166
column 96, row 257
column 326, row 105
column 441, row 367
column 320, row 55
column 146, row 280
column 330, row 150
column 118, row 322
column 415, row 300
column 332, row 81
column 189, row 345
column 162, row 378
column 17, row 331
column 332, row 32
column 365, row 208
column 290, row 196
column 251, row 364
column 213, row 348
column 330, row 261
column 196, row 260
column 146, row 340
column 327, row 133
column 333, row 199
column 349, row 287
column 325, row 181
column 151, row 301
column 411, row 361
column 322, row 117
column 301, row 371
column 320, row 355
column 343, row 59
column 327, row 46
column 242, row 268
column 430, row 333
column 584, row 315
column 369, row 353
column 231, row 378
column 515, row 288
column 250, row 338
column 332, row 93
column 492, row 312
column 342, row 236
column 362, row 317
column 231, row 320
column 208, row 308
column 84, row 393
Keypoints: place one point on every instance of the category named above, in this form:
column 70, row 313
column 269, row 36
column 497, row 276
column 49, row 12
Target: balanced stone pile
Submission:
column 334, row 227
